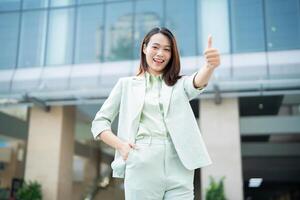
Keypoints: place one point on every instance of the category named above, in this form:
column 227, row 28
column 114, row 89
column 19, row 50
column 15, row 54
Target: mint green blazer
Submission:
column 127, row 98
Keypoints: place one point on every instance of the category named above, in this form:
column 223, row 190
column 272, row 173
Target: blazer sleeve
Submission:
column 108, row 111
column 189, row 88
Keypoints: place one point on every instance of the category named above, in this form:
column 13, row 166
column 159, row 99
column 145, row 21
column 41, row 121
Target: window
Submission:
column 55, row 3
column 60, row 37
column 247, row 26
column 31, row 4
column 9, row 29
column 213, row 19
column 6, row 5
column 32, row 43
column 148, row 15
column 182, row 23
column 89, row 1
column 282, row 24
column 89, row 34
column 118, row 31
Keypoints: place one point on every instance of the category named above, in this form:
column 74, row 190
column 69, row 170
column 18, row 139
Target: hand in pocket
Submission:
column 125, row 149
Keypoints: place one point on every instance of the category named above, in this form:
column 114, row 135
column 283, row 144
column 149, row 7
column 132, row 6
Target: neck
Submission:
column 154, row 73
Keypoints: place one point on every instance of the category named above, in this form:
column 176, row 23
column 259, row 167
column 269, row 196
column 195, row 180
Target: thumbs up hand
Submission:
column 212, row 56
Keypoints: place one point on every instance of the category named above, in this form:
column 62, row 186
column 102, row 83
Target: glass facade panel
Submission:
column 32, row 43
column 46, row 36
column 9, row 29
column 30, row 4
column 88, row 1
column 56, row 3
column 60, row 37
column 182, row 23
column 282, row 24
column 247, row 26
column 213, row 18
column 118, row 31
column 148, row 15
column 89, row 34
column 6, row 5
column 116, row 0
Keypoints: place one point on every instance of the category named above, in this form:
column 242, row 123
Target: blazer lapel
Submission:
column 138, row 94
column 139, row 91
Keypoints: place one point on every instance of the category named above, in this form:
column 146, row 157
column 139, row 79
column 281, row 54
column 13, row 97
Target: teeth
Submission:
column 158, row 60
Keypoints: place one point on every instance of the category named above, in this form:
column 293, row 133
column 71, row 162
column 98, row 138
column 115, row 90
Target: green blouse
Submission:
column 152, row 117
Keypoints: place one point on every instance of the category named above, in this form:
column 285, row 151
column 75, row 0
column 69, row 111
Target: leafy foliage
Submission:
column 31, row 190
column 215, row 191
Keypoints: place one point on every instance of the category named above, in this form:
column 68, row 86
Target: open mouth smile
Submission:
column 158, row 60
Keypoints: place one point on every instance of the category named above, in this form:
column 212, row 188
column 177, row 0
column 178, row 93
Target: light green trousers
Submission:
column 154, row 172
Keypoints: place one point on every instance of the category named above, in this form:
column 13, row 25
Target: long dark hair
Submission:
column 171, row 71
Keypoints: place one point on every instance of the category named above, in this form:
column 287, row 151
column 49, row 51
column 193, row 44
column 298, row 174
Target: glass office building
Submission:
column 70, row 53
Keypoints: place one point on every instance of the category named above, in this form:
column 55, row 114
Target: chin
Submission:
column 158, row 69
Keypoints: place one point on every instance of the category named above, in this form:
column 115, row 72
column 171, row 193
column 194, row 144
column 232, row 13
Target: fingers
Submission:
column 213, row 60
column 132, row 145
column 211, row 50
column 211, row 55
column 209, row 42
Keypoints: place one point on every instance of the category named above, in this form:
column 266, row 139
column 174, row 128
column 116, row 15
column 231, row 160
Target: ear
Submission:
column 144, row 48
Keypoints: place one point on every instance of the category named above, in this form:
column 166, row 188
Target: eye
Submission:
column 168, row 50
column 154, row 47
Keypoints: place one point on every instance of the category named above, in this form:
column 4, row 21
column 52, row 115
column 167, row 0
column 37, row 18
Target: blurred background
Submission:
column 59, row 59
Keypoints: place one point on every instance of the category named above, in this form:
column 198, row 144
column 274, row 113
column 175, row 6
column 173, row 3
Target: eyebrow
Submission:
column 160, row 45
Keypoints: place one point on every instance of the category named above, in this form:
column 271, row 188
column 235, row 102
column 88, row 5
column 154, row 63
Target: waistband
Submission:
column 153, row 140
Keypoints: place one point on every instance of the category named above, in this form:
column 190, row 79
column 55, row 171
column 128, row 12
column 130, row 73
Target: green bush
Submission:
column 215, row 191
column 31, row 190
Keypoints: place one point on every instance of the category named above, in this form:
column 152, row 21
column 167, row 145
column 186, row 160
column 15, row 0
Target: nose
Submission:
column 159, row 53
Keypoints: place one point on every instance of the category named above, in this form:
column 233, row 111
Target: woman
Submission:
column 158, row 144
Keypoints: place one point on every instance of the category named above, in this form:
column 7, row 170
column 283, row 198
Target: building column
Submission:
column 50, row 149
column 219, row 124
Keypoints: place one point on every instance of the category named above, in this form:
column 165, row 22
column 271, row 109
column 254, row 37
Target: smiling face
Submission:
column 158, row 53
